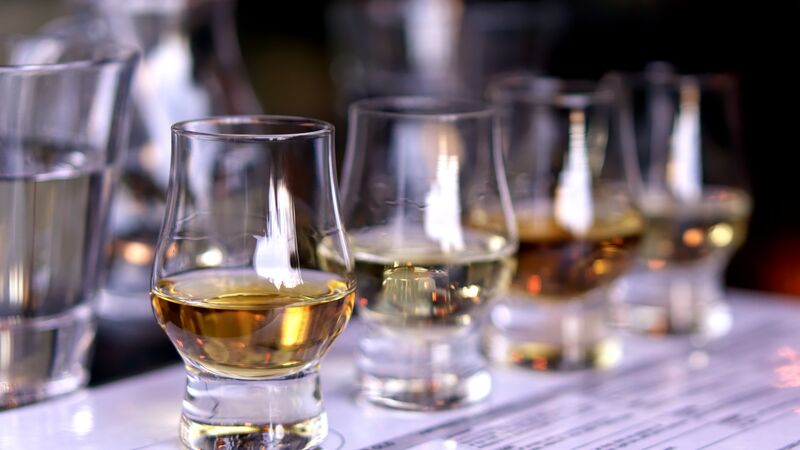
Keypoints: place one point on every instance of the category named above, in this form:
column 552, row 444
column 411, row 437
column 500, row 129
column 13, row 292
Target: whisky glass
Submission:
column 572, row 186
column 694, row 195
column 419, row 174
column 253, row 279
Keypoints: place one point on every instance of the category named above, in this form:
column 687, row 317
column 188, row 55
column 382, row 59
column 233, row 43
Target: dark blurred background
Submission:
column 289, row 53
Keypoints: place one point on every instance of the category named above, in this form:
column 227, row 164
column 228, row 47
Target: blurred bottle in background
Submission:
column 436, row 47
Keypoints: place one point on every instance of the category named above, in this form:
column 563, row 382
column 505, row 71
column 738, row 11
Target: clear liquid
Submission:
column 413, row 285
column 233, row 323
column 51, row 236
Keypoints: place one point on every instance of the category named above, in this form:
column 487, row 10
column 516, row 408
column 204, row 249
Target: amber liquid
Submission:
column 554, row 263
column 236, row 324
column 417, row 286
column 686, row 233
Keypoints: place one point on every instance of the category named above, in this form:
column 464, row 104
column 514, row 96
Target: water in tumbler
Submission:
column 51, row 221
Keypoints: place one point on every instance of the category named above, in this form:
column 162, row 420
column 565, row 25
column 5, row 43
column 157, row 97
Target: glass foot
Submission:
column 280, row 413
column 305, row 434
column 44, row 357
column 422, row 371
column 443, row 391
column 672, row 302
column 552, row 356
column 551, row 336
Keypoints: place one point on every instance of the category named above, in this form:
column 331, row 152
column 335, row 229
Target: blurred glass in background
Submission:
column 572, row 186
column 694, row 194
column 437, row 47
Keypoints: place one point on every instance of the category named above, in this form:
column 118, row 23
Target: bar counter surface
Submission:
column 742, row 392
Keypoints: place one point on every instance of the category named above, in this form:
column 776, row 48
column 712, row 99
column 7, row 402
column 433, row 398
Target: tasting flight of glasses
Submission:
column 528, row 230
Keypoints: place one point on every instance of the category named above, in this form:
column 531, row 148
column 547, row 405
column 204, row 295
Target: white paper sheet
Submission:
column 743, row 393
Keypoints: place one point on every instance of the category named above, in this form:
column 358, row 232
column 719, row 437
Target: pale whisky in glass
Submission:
column 416, row 168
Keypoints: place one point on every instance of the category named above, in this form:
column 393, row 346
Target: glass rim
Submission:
column 111, row 53
column 161, row 5
column 423, row 108
column 319, row 128
column 664, row 74
column 541, row 89
column 705, row 81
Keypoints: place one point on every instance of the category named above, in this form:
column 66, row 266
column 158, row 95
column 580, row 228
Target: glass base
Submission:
column 422, row 371
column 686, row 301
column 445, row 391
column 552, row 336
column 279, row 413
column 299, row 435
column 44, row 357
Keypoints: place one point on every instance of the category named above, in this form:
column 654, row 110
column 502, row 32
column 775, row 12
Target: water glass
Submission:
column 63, row 130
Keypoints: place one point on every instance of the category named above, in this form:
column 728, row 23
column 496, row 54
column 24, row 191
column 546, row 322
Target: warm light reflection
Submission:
column 539, row 364
column 534, row 284
column 470, row 291
column 137, row 253
column 693, row 237
column 294, row 329
column 656, row 264
column 210, row 258
column 600, row 267
column 788, row 373
column 721, row 234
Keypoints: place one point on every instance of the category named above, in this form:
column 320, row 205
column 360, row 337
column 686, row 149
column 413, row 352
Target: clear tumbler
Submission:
column 63, row 130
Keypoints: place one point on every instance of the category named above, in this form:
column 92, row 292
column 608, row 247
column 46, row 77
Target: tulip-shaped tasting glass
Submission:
column 417, row 172
column 253, row 278
column 695, row 196
column 572, row 185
